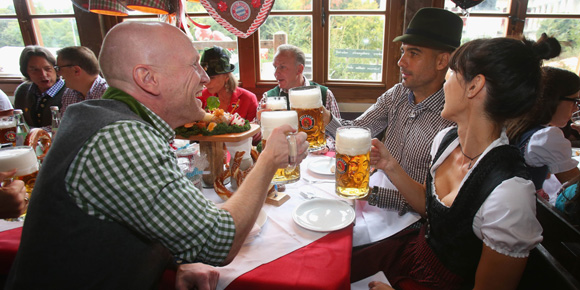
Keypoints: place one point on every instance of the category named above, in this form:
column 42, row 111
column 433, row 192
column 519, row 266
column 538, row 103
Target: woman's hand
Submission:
column 376, row 285
column 381, row 158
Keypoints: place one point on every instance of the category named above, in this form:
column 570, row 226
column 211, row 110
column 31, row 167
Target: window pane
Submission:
column 194, row 7
column 483, row 27
column 7, row 7
column 567, row 31
column 277, row 30
column 356, row 48
column 551, row 6
column 214, row 35
column 50, row 7
column 57, row 32
column 358, row 5
column 11, row 45
column 487, row 6
column 292, row 5
column 10, row 33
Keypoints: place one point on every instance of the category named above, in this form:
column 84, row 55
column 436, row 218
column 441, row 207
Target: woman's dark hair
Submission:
column 30, row 51
column 511, row 68
column 558, row 83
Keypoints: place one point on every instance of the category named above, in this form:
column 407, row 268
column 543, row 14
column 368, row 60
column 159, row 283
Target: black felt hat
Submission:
column 216, row 61
column 434, row 28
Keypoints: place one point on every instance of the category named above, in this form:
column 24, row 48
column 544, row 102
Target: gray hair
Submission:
column 297, row 52
column 34, row 50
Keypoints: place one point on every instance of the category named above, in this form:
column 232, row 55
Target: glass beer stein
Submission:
column 271, row 120
column 353, row 147
column 307, row 102
column 277, row 103
column 23, row 158
column 8, row 130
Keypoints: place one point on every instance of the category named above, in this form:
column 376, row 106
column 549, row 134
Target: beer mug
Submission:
column 307, row 102
column 23, row 158
column 8, row 130
column 278, row 103
column 353, row 147
column 271, row 120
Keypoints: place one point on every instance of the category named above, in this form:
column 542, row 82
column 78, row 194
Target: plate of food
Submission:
column 323, row 166
column 323, row 215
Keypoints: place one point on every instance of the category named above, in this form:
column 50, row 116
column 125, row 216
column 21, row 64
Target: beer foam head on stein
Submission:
column 274, row 119
column 23, row 158
column 305, row 97
column 353, row 140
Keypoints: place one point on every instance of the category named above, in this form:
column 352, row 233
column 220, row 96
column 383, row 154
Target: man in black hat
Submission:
column 410, row 112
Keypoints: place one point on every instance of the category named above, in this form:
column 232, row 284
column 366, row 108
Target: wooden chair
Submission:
column 555, row 262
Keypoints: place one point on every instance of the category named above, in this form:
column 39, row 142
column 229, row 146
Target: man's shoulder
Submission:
column 396, row 92
column 275, row 91
column 23, row 87
column 245, row 93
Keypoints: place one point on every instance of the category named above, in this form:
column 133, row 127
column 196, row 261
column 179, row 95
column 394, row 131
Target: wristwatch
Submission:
column 373, row 197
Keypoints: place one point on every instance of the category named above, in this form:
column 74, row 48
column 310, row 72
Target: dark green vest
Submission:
column 64, row 247
column 277, row 92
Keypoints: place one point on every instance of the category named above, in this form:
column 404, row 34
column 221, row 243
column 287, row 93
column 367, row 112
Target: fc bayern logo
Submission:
column 10, row 136
column 341, row 165
column 306, row 122
column 240, row 11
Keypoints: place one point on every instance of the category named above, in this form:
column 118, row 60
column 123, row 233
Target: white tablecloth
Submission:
column 374, row 223
column 280, row 235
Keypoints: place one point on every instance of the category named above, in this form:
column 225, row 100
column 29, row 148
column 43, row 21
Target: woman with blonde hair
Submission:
column 223, row 84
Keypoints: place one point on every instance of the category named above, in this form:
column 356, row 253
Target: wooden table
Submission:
column 213, row 148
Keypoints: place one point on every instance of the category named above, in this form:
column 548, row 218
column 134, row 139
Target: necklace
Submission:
column 470, row 158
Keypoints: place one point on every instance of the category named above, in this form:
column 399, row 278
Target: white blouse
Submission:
column 549, row 146
column 506, row 222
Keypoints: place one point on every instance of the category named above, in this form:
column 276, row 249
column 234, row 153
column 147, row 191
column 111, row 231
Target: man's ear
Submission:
column 300, row 68
column 146, row 79
column 443, row 60
column 475, row 86
column 77, row 70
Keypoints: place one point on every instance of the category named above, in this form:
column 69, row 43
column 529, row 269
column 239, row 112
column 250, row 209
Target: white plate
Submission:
column 262, row 218
column 323, row 166
column 575, row 152
column 323, row 215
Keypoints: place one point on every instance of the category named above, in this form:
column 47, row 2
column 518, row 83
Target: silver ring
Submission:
column 26, row 199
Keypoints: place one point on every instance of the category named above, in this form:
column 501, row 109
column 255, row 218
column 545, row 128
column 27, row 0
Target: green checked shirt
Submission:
column 128, row 173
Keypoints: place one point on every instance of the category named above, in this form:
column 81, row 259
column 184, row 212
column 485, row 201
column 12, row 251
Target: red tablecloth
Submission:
column 323, row 264
column 9, row 243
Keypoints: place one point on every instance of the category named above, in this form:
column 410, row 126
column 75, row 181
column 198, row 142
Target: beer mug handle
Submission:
column 292, row 151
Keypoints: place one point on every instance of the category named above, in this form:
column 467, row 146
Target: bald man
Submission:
column 111, row 209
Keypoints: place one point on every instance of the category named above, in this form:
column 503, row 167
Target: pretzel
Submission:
column 36, row 137
column 234, row 172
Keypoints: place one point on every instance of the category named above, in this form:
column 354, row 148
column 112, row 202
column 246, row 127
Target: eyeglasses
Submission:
column 57, row 68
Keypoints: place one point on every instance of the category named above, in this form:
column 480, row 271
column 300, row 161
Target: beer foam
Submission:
column 22, row 157
column 305, row 99
column 274, row 119
column 276, row 104
column 353, row 141
column 7, row 124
